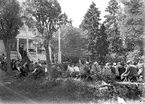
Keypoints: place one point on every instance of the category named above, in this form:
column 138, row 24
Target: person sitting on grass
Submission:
column 70, row 70
column 13, row 64
column 121, row 69
column 140, row 67
column 94, row 68
column 38, row 71
column 18, row 65
column 56, row 72
column 22, row 68
column 82, row 69
column 31, row 66
column 112, row 67
column 44, row 67
column 25, row 68
column 87, row 72
column 131, row 71
column 36, row 66
column 114, row 70
column 76, row 70
column 108, row 72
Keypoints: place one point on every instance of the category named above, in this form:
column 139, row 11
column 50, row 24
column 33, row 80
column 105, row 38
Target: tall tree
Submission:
column 91, row 25
column 47, row 16
column 73, row 42
column 132, row 26
column 10, row 22
column 112, row 28
column 102, row 45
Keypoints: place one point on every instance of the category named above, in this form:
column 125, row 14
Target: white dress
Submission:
column 76, row 69
column 70, row 69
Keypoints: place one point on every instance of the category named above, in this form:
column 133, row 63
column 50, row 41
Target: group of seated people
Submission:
column 131, row 71
column 82, row 69
column 24, row 68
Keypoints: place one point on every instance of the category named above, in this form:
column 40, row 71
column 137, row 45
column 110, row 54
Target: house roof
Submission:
column 25, row 33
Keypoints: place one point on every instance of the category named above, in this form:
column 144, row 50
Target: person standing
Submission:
column 3, row 62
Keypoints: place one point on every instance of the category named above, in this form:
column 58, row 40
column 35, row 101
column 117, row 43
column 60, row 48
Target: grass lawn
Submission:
column 44, row 91
column 40, row 90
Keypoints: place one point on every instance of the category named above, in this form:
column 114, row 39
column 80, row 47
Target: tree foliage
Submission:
column 47, row 16
column 102, row 45
column 112, row 26
column 10, row 22
column 112, row 29
column 132, row 26
column 91, row 25
column 73, row 42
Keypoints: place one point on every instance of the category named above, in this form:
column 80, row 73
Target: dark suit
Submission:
column 131, row 70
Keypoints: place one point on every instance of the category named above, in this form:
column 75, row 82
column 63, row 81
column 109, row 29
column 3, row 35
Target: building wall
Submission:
column 41, row 57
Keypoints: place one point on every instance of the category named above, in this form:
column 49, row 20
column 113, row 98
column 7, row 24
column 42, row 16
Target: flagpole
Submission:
column 59, row 46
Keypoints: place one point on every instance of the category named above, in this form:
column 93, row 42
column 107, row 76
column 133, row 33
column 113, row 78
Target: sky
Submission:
column 76, row 9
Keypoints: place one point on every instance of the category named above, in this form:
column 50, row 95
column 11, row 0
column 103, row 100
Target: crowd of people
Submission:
column 84, row 70
column 129, row 71
column 24, row 67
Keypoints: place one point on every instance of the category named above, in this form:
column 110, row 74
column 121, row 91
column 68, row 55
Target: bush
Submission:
column 134, row 55
column 107, row 75
column 129, row 91
column 142, row 89
column 71, row 85
column 83, row 91
column 114, row 57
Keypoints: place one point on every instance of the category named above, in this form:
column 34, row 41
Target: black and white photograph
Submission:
column 72, row 51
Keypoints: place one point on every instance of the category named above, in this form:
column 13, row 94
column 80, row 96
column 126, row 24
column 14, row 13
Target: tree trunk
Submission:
column 8, row 60
column 48, row 60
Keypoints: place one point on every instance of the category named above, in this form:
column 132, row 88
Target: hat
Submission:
column 114, row 64
column 95, row 62
column 87, row 62
column 107, row 64
column 129, row 61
